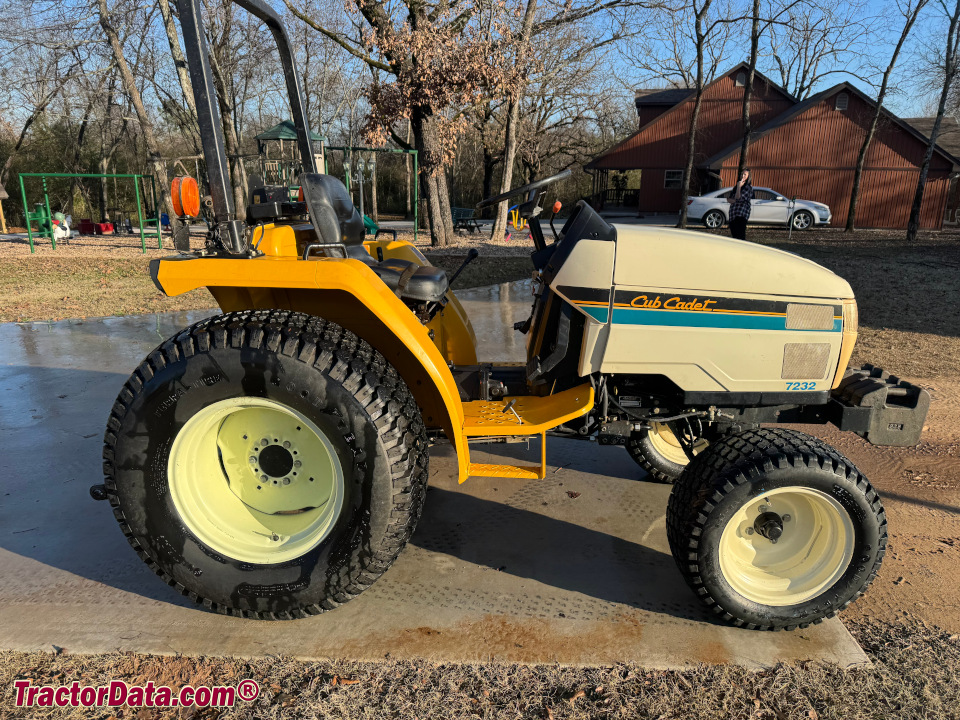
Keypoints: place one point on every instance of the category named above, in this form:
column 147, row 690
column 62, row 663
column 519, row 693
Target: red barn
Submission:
column 807, row 149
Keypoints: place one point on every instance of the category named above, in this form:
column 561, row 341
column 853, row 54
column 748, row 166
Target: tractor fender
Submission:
column 346, row 292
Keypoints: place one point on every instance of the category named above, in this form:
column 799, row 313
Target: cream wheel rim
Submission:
column 665, row 442
column 255, row 480
column 813, row 552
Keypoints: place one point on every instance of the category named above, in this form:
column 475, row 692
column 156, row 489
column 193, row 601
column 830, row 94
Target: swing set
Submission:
column 148, row 221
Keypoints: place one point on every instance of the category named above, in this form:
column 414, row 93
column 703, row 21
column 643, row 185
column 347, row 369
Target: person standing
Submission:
column 739, row 199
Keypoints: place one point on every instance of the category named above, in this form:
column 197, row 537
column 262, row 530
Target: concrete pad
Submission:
column 573, row 569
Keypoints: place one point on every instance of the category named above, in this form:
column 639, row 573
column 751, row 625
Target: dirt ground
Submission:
column 913, row 677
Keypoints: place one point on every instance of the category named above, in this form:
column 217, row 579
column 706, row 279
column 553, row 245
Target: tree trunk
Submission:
column 874, row 121
column 179, row 61
column 238, row 175
column 408, row 165
column 691, row 148
column 506, row 178
column 433, row 184
column 154, row 158
column 510, row 135
column 489, row 165
column 748, row 89
column 374, row 210
column 949, row 77
column 694, row 116
column 78, row 149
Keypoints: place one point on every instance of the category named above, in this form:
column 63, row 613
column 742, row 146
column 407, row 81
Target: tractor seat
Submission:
column 422, row 283
column 335, row 219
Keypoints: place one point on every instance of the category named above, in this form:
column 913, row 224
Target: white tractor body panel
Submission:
column 710, row 313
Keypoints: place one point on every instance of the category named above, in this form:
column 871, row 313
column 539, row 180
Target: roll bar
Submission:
column 229, row 226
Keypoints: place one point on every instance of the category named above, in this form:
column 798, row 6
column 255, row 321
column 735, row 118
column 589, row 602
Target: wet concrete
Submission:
column 573, row 569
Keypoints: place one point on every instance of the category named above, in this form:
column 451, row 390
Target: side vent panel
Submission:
column 809, row 317
column 805, row 361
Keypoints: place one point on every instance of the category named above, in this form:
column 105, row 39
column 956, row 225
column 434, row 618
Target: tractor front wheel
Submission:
column 658, row 451
column 774, row 529
column 266, row 464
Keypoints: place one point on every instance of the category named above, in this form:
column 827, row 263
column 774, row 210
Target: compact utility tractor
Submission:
column 271, row 462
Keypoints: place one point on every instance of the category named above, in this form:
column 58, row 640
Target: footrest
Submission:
column 525, row 415
column 520, row 472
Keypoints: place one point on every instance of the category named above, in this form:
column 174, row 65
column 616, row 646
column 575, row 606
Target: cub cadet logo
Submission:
column 674, row 303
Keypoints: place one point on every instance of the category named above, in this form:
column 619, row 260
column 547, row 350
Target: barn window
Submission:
column 741, row 80
column 672, row 179
column 843, row 101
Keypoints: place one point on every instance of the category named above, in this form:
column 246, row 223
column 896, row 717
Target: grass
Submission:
column 913, row 676
column 50, row 288
column 47, row 288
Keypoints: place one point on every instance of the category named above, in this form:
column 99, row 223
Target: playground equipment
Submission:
column 516, row 220
column 284, row 165
column 272, row 462
column 42, row 215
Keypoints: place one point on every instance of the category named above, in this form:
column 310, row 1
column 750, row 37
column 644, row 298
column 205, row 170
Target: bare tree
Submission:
column 35, row 82
column 946, row 64
column 154, row 156
column 910, row 10
column 512, row 119
column 820, row 38
column 755, row 30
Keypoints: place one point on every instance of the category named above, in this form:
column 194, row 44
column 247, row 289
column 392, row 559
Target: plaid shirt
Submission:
column 741, row 208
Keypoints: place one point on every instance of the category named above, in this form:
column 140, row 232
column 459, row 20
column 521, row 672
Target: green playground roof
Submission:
column 285, row 130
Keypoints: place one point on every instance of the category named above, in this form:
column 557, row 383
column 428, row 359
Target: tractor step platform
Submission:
column 523, row 416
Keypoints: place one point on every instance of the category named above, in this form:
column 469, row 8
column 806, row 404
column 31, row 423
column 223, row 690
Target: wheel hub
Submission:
column 769, row 525
column 255, row 480
column 771, row 564
column 276, row 461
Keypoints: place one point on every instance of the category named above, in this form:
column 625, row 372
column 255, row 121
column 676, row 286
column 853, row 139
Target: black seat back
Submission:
column 334, row 218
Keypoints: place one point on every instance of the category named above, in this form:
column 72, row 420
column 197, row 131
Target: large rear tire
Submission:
column 774, row 529
column 266, row 464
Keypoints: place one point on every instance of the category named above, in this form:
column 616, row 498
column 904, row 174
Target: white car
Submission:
column 768, row 207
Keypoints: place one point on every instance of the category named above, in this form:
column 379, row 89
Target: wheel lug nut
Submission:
column 252, row 459
column 762, row 509
column 786, row 518
column 286, row 444
column 263, row 478
column 275, row 537
column 297, row 463
column 286, row 481
column 749, row 531
column 264, row 442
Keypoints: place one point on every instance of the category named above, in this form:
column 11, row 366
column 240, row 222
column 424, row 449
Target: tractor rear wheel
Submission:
column 774, row 529
column 267, row 464
column 659, row 452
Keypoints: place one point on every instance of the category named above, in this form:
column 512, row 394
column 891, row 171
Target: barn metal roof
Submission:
column 662, row 96
column 949, row 137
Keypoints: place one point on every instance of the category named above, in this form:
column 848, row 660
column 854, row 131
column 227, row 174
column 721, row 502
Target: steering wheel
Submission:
column 524, row 189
